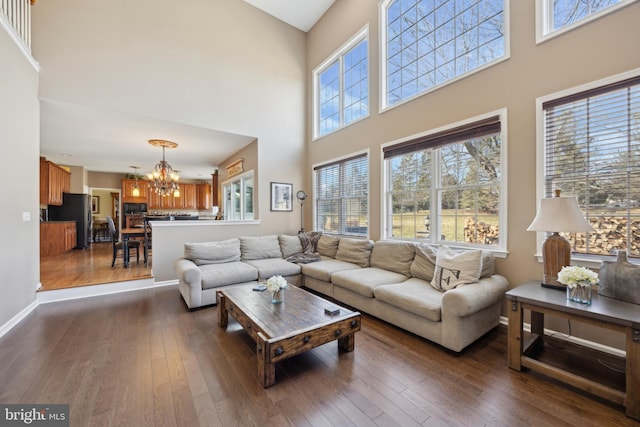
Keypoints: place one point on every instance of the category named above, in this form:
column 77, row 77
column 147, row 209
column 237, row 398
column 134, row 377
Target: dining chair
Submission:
column 119, row 246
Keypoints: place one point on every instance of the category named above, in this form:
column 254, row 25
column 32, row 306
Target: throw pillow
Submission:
column 456, row 268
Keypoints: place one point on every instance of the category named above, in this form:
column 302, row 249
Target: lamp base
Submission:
column 552, row 286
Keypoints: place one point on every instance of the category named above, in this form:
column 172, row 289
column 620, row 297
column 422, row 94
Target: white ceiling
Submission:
column 302, row 14
column 108, row 141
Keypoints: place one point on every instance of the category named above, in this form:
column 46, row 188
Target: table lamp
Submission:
column 555, row 215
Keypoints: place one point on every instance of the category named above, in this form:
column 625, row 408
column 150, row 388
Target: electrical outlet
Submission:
column 26, row 216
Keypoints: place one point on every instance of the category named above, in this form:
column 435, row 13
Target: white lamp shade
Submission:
column 560, row 214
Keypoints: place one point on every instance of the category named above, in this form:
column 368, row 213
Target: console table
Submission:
column 603, row 312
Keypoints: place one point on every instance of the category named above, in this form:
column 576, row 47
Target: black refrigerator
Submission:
column 75, row 207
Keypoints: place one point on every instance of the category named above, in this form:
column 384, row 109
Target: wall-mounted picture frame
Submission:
column 95, row 204
column 281, row 197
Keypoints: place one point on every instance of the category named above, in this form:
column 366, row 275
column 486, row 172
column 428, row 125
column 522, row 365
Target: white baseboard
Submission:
column 18, row 318
column 575, row 340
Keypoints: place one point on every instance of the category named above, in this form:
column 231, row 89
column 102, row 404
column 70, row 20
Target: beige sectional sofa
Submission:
column 387, row 279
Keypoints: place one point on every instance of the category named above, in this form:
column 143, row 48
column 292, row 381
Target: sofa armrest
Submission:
column 188, row 272
column 468, row 299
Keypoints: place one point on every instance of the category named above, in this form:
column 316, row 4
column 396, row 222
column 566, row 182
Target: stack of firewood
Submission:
column 610, row 235
column 480, row 232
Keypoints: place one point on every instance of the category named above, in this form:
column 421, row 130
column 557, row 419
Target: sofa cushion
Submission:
column 289, row 245
column 413, row 295
column 260, row 247
column 328, row 246
column 424, row 262
column 456, row 268
column 273, row 267
column 393, row 256
column 230, row 273
column 213, row 252
column 364, row 281
column 356, row 251
column 322, row 270
column 488, row 264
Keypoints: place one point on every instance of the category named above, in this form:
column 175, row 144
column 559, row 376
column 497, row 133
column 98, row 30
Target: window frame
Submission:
column 500, row 251
column 242, row 178
column 341, row 160
column 544, row 19
column 338, row 55
column 383, row 67
column 587, row 260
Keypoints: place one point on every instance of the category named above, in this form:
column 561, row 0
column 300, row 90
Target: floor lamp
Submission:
column 302, row 196
column 556, row 215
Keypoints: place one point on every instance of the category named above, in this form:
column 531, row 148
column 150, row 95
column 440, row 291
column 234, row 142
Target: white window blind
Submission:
column 342, row 197
column 446, row 186
column 592, row 151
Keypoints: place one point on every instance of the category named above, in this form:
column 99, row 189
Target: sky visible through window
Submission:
column 567, row 12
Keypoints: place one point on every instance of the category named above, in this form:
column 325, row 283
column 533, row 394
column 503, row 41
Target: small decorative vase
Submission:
column 277, row 297
column 579, row 293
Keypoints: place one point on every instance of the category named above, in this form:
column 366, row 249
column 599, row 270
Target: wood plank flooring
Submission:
column 142, row 359
column 92, row 266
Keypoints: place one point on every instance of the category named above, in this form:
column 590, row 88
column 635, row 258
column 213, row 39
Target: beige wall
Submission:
column 602, row 48
column 221, row 65
column 19, row 136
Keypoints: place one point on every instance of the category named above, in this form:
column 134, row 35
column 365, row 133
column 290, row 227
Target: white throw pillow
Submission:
column 456, row 268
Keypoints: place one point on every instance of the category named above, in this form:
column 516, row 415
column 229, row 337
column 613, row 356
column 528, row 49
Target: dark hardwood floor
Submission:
column 92, row 266
column 142, row 359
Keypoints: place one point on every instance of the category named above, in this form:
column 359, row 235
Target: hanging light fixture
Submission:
column 163, row 179
column 136, row 188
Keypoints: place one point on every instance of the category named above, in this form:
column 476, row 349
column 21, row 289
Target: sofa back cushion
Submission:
column 262, row 247
column 355, row 251
column 392, row 255
column 213, row 252
column 328, row 246
column 424, row 262
column 289, row 245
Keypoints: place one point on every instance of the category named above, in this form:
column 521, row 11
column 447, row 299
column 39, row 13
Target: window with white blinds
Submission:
column 592, row 151
column 447, row 186
column 342, row 197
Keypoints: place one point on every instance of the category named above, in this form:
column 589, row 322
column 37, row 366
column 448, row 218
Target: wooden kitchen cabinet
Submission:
column 187, row 198
column 160, row 202
column 57, row 237
column 54, row 181
column 203, row 196
column 215, row 189
column 127, row 191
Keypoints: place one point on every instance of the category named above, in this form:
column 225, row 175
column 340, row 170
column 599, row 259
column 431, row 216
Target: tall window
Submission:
column 447, row 186
column 342, row 87
column 238, row 198
column 429, row 43
column 559, row 15
column 592, row 151
column 342, row 197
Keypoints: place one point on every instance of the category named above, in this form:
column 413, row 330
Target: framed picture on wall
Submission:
column 281, row 197
column 95, row 204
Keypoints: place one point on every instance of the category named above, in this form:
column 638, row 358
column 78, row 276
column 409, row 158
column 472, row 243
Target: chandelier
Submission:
column 163, row 180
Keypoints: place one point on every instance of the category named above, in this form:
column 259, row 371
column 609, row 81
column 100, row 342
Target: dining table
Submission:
column 126, row 234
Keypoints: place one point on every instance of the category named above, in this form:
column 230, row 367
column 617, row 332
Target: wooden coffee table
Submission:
column 284, row 330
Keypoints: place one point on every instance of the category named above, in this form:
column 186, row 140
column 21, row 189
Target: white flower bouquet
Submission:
column 275, row 283
column 575, row 275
